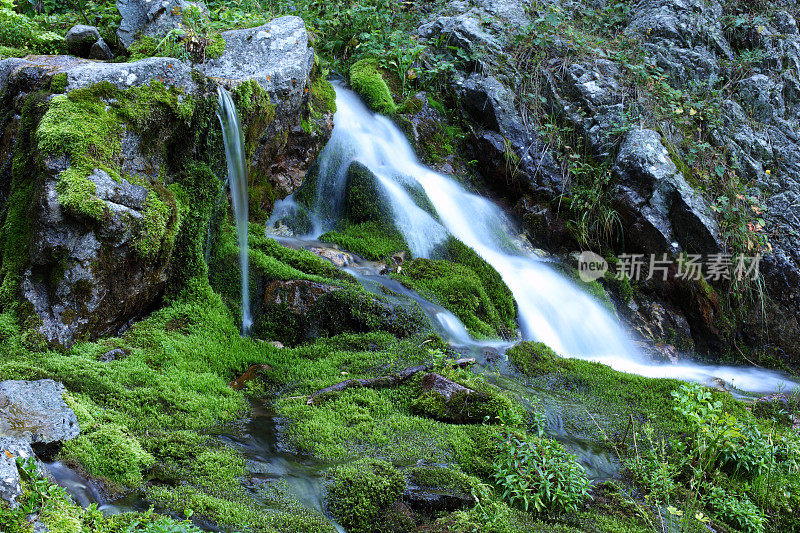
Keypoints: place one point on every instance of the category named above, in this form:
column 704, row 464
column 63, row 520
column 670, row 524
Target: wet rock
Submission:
column 90, row 297
column 151, row 18
column 80, row 38
column 339, row 258
column 35, row 412
column 277, row 55
column 506, row 151
column 447, row 401
column 785, row 23
column 101, row 51
column 298, row 296
column 661, row 212
column 683, row 37
column 297, row 310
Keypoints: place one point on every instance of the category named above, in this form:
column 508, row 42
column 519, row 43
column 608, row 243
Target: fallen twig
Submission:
column 384, row 381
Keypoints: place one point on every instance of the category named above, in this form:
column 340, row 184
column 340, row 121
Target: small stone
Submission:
column 100, row 51
column 80, row 39
column 113, row 355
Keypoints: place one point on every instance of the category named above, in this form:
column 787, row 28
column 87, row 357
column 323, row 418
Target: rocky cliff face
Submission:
column 660, row 126
column 100, row 162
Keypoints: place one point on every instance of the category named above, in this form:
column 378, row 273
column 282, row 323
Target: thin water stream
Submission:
column 233, row 139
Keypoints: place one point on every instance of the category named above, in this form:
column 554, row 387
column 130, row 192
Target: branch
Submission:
column 384, row 381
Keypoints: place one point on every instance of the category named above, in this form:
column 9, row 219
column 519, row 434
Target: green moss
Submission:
column 533, row 358
column 26, row 174
column 12, row 51
column 459, row 289
column 367, row 81
column 161, row 220
column 441, row 479
column 323, row 95
column 111, row 452
column 58, row 83
column 360, row 492
column 367, row 239
column 215, row 47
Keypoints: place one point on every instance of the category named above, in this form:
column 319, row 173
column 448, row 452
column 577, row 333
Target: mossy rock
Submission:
column 460, row 289
column 533, row 358
column 365, row 200
column 367, row 81
column 361, row 492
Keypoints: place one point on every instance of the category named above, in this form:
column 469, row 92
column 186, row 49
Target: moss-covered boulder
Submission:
column 448, row 401
column 367, row 81
column 112, row 169
column 533, row 358
column 361, row 493
column 432, row 490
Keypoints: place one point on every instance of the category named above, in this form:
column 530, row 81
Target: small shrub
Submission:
column 736, row 510
column 540, row 476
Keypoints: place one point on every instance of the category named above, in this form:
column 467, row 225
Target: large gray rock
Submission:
column 35, row 412
column 660, row 211
column 151, row 18
column 277, row 55
column 507, row 151
column 91, row 298
column 684, row 37
column 80, row 38
column 101, row 51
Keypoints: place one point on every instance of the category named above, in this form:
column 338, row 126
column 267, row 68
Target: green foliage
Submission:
column 194, row 40
column 366, row 80
column 360, row 491
column 539, row 475
column 736, row 510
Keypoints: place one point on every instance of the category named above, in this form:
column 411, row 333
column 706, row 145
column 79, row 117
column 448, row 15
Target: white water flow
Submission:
column 233, row 139
column 551, row 309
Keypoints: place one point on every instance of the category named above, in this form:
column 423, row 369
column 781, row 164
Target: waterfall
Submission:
column 552, row 309
column 233, row 139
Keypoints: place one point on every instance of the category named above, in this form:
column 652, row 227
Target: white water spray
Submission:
column 551, row 309
column 233, row 139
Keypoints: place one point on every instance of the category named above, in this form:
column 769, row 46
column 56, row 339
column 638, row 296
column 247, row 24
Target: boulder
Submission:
column 506, row 150
column 80, row 38
column 338, row 258
column 445, row 400
column 151, row 18
column 35, row 412
column 277, row 55
column 101, row 51
column 297, row 296
column 660, row 211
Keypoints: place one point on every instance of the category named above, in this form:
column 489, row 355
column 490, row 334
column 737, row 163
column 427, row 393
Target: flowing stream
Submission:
column 551, row 308
column 233, row 139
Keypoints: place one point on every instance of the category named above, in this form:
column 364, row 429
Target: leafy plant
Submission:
column 538, row 475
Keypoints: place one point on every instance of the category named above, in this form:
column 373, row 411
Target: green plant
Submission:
column 538, row 475
column 736, row 510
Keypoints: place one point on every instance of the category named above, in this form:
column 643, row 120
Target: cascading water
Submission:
column 551, row 309
column 233, row 139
